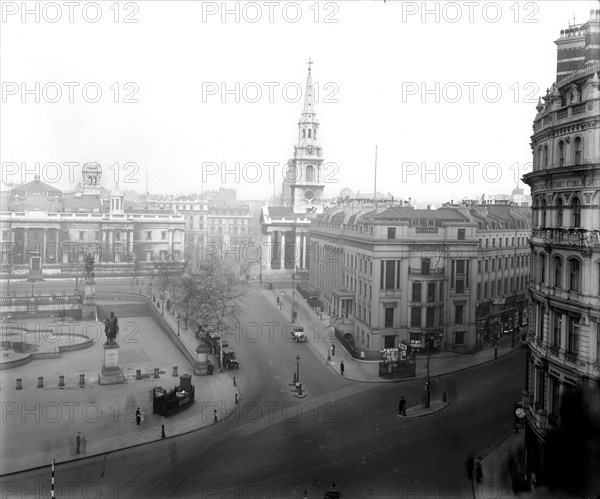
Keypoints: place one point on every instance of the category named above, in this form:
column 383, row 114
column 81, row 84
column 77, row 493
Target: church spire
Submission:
column 308, row 113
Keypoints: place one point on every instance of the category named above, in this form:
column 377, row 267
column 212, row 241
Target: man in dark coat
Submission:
column 402, row 407
column 342, row 368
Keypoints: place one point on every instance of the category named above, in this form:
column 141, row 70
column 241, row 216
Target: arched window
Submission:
column 542, row 268
column 558, row 271
column 559, row 212
column 303, row 133
column 574, row 274
column 578, row 146
column 545, row 156
column 539, row 157
column 561, row 153
column 544, row 204
column 576, row 212
column 309, row 132
column 310, row 173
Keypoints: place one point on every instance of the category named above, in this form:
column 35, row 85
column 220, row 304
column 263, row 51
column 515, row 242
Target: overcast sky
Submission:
column 483, row 63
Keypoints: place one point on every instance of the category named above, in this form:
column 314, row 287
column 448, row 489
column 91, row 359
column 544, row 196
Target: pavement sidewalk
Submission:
column 41, row 424
column 321, row 338
column 498, row 467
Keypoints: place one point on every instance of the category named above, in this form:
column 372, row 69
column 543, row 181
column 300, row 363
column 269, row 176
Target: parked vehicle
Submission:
column 229, row 360
column 298, row 333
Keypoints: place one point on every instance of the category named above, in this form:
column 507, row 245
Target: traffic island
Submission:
column 298, row 391
column 420, row 410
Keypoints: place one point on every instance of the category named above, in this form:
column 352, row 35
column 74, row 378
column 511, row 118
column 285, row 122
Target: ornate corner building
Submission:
column 563, row 346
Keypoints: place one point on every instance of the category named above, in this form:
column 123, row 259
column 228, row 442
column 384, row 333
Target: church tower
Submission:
column 303, row 186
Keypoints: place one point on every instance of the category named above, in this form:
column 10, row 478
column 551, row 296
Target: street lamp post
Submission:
column 298, row 368
column 427, row 391
column 293, row 295
column 178, row 319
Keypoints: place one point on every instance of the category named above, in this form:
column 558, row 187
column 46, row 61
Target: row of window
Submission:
column 522, row 262
column 117, row 235
column 572, row 276
column 234, row 221
column 391, row 231
column 559, row 218
column 219, row 230
column 564, row 153
column 501, row 287
column 417, row 291
column 521, row 241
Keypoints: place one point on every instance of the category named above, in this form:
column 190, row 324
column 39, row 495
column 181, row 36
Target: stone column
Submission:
column 170, row 237
column 304, row 251
column 297, row 252
column 269, row 250
column 45, row 241
column 282, row 249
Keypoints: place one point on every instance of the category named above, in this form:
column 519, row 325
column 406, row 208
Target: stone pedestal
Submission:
column 88, row 307
column 111, row 373
column 201, row 365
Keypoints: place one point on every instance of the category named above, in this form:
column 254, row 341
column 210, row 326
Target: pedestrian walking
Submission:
column 215, row 415
column 402, row 407
column 83, row 444
column 138, row 416
column 78, row 440
column 236, row 399
column 234, row 383
column 495, row 352
column 333, row 350
column 342, row 368
column 477, row 473
column 278, row 301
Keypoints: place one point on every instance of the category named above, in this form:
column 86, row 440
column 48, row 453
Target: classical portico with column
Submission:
column 286, row 244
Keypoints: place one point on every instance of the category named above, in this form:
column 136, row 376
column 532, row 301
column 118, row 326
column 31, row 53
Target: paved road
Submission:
column 277, row 445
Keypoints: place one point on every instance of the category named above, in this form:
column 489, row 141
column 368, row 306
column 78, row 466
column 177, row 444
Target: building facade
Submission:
column 563, row 347
column 389, row 274
column 195, row 213
column 46, row 232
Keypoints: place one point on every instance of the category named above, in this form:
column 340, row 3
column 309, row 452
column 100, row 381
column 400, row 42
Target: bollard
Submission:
column 162, row 427
column 156, row 372
column 300, row 389
column 81, row 379
column 61, row 380
column 40, row 382
column 444, row 397
column 138, row 374
column 175, row 371
column 19, row 386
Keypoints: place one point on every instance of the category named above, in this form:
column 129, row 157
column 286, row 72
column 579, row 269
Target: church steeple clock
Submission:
column 304, row 175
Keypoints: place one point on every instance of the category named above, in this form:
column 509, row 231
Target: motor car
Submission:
column 298, row 333
column 229, row 359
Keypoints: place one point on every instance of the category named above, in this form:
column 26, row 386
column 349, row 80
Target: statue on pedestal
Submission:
column 89, row 266
column 111, row 328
